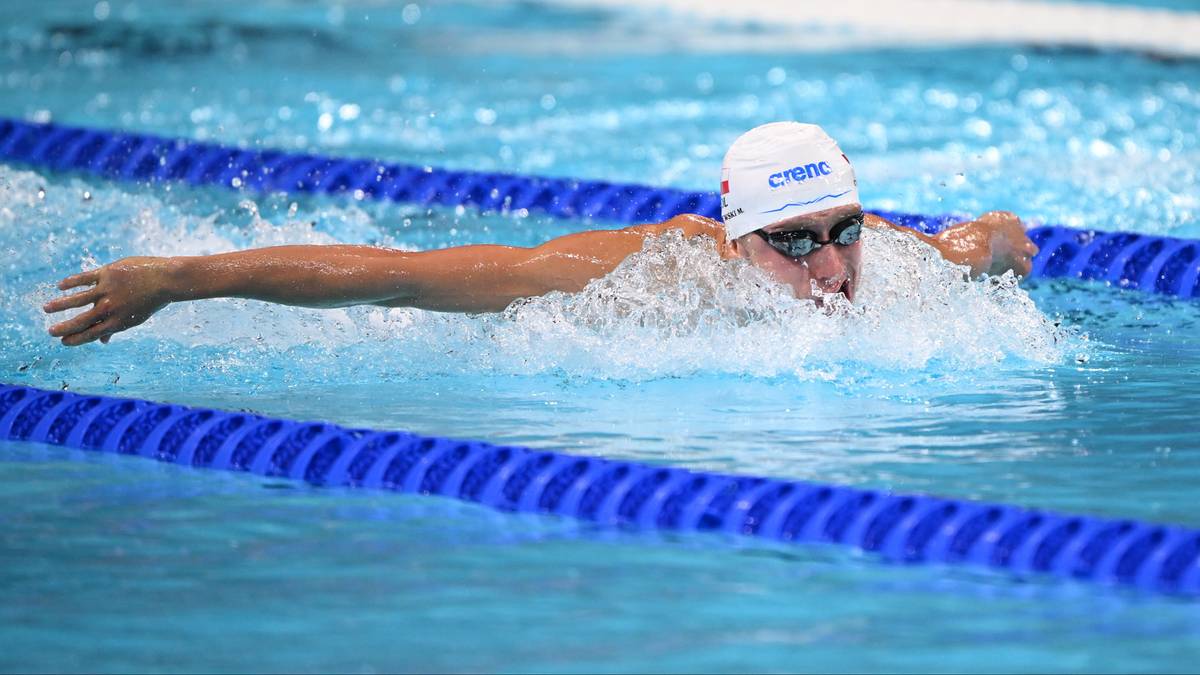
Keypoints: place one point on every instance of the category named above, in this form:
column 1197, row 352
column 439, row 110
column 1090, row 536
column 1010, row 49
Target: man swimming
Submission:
column 789, row 204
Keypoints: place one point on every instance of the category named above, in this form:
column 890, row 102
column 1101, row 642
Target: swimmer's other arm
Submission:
column 993, row 243
column 482, row 278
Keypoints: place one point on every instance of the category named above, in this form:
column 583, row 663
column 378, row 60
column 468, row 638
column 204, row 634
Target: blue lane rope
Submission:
column 1165, row 265
column 902, row 528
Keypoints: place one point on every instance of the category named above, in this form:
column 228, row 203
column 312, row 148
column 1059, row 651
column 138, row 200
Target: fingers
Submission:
column 1005, row 222
column 72, row 301
column 1001, row 216
column 98, row 331
column 78, row 323
column 1026, row 251
column 1024, row 260
column 91, row 277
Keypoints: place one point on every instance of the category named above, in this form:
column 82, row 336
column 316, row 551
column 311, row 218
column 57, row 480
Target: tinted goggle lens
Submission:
column 850, row 234
column 794, row 246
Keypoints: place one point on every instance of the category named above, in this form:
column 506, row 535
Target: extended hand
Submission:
column 123, row 295
column 993, row 244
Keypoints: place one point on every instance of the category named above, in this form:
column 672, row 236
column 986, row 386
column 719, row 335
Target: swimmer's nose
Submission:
column 826, row 269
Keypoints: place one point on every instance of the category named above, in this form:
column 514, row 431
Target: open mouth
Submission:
column 844, row 289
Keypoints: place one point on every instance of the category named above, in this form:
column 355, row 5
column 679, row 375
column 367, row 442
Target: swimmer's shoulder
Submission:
column 690, row 224
column 613, row 246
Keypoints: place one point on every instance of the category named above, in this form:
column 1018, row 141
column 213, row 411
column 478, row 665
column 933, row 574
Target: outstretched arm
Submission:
column 991, row 244
column 482, row 278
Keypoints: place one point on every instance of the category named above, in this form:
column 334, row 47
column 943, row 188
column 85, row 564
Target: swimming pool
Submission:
column 996, row 404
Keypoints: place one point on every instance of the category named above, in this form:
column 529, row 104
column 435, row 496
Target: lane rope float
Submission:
column 897, row 527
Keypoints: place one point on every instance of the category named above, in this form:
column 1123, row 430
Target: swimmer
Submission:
column 789, row 202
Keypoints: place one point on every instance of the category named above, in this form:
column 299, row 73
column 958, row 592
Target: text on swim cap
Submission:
column 798, row 173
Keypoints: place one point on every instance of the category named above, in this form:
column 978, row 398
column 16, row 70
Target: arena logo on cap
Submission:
column 798, row 173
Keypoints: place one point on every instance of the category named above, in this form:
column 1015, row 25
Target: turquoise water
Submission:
column 116, row 564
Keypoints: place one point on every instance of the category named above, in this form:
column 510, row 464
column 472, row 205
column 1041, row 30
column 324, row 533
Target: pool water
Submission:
column 1058, row 395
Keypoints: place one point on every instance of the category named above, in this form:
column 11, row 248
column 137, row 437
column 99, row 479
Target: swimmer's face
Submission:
column 832, row 268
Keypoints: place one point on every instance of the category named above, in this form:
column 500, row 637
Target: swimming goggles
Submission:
column 799, row 243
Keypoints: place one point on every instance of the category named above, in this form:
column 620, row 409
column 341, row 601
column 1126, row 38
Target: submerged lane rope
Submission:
column 1166, row 265
column 903, row 528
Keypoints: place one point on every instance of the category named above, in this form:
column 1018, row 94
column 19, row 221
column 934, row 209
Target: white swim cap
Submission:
column 780, row 170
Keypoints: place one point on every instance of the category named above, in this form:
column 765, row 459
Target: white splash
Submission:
column 677, row 309
column 674, row 309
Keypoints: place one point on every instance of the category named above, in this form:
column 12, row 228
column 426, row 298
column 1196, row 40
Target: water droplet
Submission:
column 485, row 116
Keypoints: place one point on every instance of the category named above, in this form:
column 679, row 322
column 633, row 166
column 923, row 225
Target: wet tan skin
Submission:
column 483, row 278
